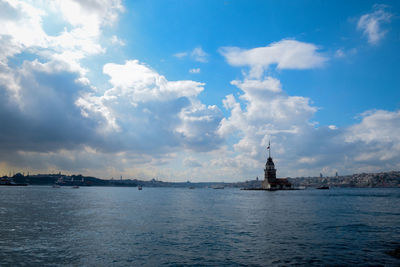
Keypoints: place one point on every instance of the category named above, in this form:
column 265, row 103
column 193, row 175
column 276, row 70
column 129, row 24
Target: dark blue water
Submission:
column 96, row 226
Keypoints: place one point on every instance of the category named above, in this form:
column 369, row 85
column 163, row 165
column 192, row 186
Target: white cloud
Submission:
column 23, row 29
column 371, row 24
column 115, row 40
column 340, row 53
column 375, row 140
column 181, row 54
column 253, row 85
column 143, row 124
column 89, row 15
column 51, row 112
column 286, row 54
column 140, row 83
column 198, row 54
column 299, row 147
column 143, row 105
column 194, row 71
column 267, row 113
column 135, row 126
column 376, row 126
column 267, row 106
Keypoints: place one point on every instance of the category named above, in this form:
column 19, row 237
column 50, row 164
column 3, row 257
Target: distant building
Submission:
column 270, row 180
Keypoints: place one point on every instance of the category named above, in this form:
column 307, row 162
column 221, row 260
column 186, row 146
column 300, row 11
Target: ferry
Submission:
column 323, row 187
column 6, row 181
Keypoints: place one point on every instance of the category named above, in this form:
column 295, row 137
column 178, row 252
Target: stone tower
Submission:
column 270, row 181
column 269, row 171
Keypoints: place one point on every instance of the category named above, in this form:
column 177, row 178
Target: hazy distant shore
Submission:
column 362, row 180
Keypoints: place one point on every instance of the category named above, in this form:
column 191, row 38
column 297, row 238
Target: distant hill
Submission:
column 50, row 179
column 382, row 179
column 80, row 180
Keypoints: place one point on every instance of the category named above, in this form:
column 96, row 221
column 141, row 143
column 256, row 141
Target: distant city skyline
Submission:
column 194, row 90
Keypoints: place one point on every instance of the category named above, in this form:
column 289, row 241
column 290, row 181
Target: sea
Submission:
column 115, row 226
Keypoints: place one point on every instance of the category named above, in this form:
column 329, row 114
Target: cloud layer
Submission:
column 265, row 112
column 54, row 118
column 150, row 114
column 141, row 124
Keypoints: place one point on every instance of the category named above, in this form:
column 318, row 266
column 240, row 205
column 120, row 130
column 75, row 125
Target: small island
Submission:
column 271, row 183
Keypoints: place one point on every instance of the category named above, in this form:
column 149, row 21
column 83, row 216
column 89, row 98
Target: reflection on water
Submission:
column 167, row 226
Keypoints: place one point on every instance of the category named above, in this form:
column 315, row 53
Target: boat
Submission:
column 218, row 187
column 75, row 187
column 323, row 187
column 139, row 187
column 6, row 181
column 191, row 187
column 56, row 186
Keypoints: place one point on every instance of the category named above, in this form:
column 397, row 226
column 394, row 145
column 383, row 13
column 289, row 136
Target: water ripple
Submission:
column 180, row 227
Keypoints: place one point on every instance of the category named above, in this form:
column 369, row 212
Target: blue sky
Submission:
column 194, row 90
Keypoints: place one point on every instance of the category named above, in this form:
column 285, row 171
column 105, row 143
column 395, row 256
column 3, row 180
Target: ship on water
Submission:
column 8, row 181
column 75, row 183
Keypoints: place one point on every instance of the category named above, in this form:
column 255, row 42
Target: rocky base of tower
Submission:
column 270, row 189
column 277, row 184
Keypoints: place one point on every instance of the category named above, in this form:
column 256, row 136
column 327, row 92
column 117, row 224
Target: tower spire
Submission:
column 269, row 150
